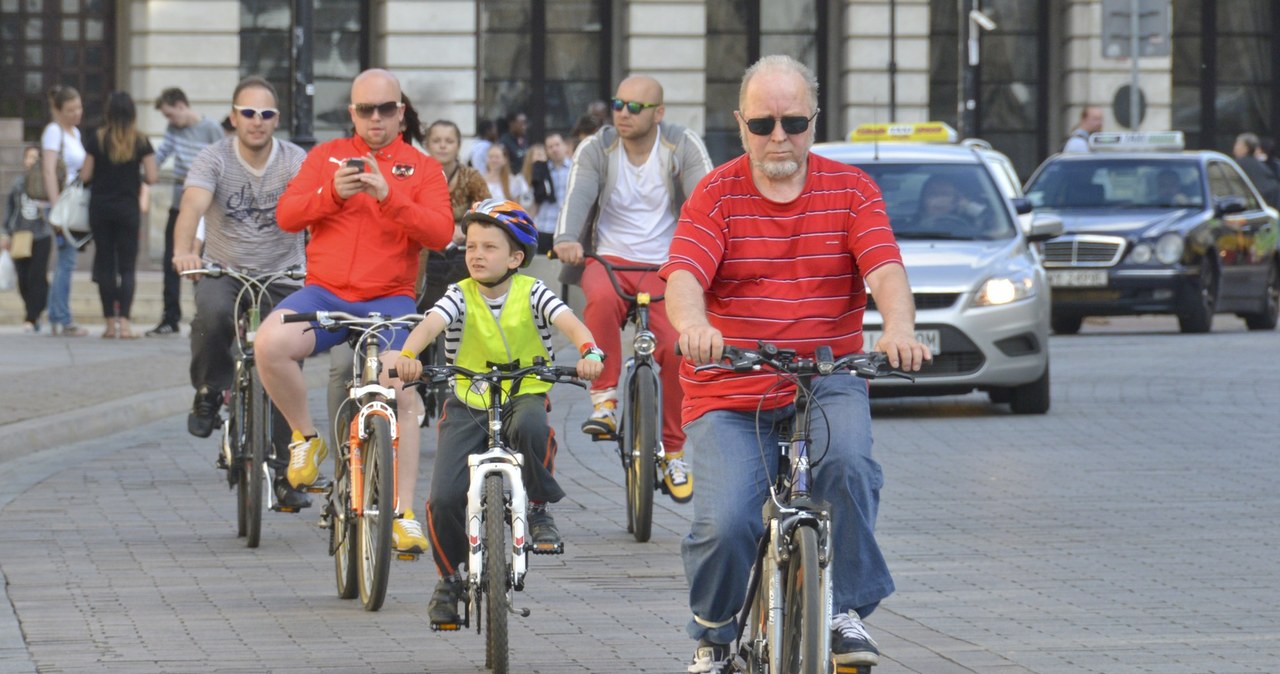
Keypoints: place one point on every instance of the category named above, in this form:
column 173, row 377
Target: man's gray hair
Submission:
column 781, row 62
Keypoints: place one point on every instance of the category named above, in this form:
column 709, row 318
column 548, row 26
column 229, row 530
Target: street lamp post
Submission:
column 304, row 89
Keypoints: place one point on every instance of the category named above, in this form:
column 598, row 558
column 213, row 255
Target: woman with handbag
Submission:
column 29, row 240
column 62, row 155
column 119, row 159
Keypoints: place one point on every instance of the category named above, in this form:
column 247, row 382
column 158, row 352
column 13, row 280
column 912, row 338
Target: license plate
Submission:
column 930, row 338
column 1078, row 278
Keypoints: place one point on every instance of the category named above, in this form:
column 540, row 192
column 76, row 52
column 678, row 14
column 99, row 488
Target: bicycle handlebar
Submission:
column 610, row 268
column 216, row 271
column 557, row 374
column 866, row 365
column 337, row 320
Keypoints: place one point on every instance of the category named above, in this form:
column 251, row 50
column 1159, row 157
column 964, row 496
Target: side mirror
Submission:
column 1022, row 205
column 1045, row 227
column 1228, row 205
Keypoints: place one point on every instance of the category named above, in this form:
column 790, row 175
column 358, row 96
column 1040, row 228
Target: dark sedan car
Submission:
column 1157, row 231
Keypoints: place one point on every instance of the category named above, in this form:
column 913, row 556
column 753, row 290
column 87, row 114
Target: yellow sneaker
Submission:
column 406, row 534
column 603, row 419
column 305, row 455
column 676, row 475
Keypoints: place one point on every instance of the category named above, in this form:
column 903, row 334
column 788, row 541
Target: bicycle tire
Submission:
column 496, row 576
column 236, row 414
column 342, row 528
column 802, row 621
column 641, row 453
column 258, row 436
column 378, row 515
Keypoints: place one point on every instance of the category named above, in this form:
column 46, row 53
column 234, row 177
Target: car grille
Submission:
column 1083, row 250
column 924, row 300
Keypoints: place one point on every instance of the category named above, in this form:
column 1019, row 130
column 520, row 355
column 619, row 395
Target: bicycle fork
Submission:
column 497, row 461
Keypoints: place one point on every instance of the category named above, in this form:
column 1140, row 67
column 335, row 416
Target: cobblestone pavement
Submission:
column 1133, row 529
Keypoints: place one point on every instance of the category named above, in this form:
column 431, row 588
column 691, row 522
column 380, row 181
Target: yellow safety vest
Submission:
column 512, row 338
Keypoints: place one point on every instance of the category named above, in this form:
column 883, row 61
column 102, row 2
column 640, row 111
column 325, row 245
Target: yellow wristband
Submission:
column 408, row 354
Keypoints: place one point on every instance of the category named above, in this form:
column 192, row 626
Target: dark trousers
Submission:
column 462, row 433
column 172, row 282
column 115, row 240
column 33, row 278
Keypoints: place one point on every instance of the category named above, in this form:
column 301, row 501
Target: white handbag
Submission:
column 71, row 213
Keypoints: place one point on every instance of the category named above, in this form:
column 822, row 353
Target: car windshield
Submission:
column 1118, row 183
column 942, row 201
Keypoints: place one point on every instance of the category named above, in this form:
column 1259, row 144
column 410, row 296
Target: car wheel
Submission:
column 1266, row 319
column 1199, row 316
column 1065, row 325
column 1031, row 398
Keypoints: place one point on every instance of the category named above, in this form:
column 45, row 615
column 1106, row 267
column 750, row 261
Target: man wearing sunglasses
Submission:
column 188, row 132
column 625, row 189
column 780, row 245
column 234, row 184
column 371, row 204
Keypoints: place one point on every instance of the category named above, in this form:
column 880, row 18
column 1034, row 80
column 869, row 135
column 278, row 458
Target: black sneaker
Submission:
column 163, row 330
column 710, row 658
column 204, row 412
column 443, row 609
column 543, row 531
column 290, row 499
column 850, row 643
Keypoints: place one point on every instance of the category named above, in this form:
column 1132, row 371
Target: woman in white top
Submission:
column 62, row 138
column 503, row 184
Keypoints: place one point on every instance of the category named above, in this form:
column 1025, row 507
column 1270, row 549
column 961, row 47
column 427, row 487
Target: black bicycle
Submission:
column 783, row 627
column 249, row 425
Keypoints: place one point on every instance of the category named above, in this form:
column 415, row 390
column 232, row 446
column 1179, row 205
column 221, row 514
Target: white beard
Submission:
column 778, row 169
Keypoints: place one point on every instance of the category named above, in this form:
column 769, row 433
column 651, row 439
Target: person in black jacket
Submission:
column 1245, row 151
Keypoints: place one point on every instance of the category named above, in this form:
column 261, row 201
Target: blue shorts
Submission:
column 315, row 298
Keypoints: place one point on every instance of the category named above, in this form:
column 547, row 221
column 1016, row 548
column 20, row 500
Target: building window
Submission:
column 1012, row 100
column 339, row 53
column 43, row 44
column 739, row 32
column 546, row 58
column 1224, row 62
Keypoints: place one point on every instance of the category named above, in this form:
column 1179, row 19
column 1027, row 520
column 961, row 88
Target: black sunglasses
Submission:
column 763, row 126
column 633, row 107
column 365, row 110
column 249, row 113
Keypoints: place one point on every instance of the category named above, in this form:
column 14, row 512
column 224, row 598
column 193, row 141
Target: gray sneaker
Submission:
column 709, row 658
column 850, row 643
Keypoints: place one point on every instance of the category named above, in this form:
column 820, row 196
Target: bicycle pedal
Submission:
column 285, row 509
column 446, row 627
column 853, row 669
column 320, row 486
column 544, row 549
column 408, row 556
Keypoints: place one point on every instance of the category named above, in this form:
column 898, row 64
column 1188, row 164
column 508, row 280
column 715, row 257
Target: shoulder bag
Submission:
column 35, row 175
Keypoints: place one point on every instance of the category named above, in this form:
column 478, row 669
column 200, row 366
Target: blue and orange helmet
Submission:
column 511, row 217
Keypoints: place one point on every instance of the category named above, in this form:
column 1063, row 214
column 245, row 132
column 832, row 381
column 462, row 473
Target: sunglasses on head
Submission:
column 763, row 126
column 365, row 110
column 633, row 107
column 247, row 112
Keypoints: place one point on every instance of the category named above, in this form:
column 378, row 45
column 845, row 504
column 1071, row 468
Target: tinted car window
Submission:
column 939, row 201
column 1225, row 181
column 1118, row 183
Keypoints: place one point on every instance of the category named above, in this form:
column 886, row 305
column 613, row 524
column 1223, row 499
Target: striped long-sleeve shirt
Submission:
column 184, row 144
column 452, row 307
column 791, row 274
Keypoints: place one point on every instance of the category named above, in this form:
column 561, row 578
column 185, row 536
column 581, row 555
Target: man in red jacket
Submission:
column 371, row 203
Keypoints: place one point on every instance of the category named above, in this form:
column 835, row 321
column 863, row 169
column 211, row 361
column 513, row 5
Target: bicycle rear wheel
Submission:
column 237, row 413
column 342, row 528
column 258, row 437
column 641, row 439
column 803, row 627
column 379, row 514
column 496, row 575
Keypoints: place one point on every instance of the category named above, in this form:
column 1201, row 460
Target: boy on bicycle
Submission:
column 495, row 316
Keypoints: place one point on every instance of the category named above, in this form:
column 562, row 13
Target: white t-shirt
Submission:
column 637, row 224
column 520, row 192
column 55, row 139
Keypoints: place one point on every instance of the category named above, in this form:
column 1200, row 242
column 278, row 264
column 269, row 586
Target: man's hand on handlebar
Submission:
column 187, row 262
column 569, row 252
column 903, row 351
column 702, row 344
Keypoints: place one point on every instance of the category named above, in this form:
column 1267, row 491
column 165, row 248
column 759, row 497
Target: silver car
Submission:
column 981, row 295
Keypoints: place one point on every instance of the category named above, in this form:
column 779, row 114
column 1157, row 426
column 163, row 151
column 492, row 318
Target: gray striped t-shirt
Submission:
column 240, row 225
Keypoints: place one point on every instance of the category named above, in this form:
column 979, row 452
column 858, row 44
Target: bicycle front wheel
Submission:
column 803, row 627
column 258, row 436
column 379, row 514
column 234, row 436
column 342, row 528
column 641, row 439
column 496, row 575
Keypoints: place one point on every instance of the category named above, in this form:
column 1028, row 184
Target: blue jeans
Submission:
column 60, row 289
column 732, row 485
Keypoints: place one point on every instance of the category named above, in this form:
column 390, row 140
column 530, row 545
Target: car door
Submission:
column 1244, row 273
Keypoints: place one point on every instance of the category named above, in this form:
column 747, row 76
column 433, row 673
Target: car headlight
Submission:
column 1169, row 248
column 1141, row 253
column 999, row 290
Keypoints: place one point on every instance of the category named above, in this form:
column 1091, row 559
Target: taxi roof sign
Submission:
column 1137, row 141
column 921, row 132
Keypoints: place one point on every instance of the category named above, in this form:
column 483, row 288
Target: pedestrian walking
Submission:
column 187, row 133
column 60, row 144
column 1090, row 123
column 118, row 159
column 550, row 180
column 29, row 240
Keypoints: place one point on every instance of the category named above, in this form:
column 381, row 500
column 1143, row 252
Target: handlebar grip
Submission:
column 308, row 317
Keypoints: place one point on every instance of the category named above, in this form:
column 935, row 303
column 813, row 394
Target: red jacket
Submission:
column 361, row 249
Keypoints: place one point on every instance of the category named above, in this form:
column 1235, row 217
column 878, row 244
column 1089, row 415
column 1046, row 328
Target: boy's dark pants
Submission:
column 463, row 432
